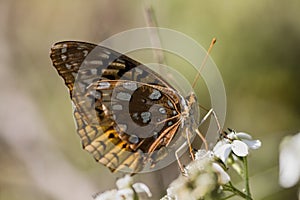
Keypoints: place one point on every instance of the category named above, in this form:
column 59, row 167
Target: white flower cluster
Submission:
column 205, row 176
column 236, row 143
column 202, row 178
column 126, row 190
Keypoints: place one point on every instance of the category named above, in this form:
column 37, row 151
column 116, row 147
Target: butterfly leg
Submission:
column 189, row 143
column 209, row 113
column 181, row 147
column 177, row 157
column 202, row 138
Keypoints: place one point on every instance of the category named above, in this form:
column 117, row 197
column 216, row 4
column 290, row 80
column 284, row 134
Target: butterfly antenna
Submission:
column 214, row 40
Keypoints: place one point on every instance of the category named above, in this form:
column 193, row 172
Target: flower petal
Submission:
column 253, row 144
column 141, row 187
column 127, row 193
column 243, row 135
column 222, row 150
column 124, row 182
column 107, row 195
column 223, row 177
column 239, row 148
column 232, row 135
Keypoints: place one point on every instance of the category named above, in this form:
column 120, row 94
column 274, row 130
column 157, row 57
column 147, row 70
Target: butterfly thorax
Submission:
column 189, row 109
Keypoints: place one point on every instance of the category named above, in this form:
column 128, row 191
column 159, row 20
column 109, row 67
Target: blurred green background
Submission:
column 258, row 55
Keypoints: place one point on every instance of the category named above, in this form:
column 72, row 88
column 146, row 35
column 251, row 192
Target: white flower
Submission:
column 166, row 197
column 179, row 189
column 289, row 162
column 202, row 177
column 247, row 139
column 126, row 190
column 107, row 195
column 142, row 188
column 238, row 143
column 223, row 177
column 124, row 182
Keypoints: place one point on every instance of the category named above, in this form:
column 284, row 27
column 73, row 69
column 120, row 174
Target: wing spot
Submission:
column 170, row 123
column 155, row 135
column 95, row 62
column 105, row 56
column 106, row 51
column 68, row 66
column 122, row 127
column 95, row 94
column 64, row 50
column 123, row 96
column 155, row 95
column 170, row 104
column 135, row 116
column 85, row 52
column 63, row 57
column 111, row 135
column 138, row 70
column 133, row 139
column 93, row 71
column 120, row 61
column 103, row 85
column 130, row 86
column 117, row 107
column 174, row 112
column 146, row 116
column 162, row 110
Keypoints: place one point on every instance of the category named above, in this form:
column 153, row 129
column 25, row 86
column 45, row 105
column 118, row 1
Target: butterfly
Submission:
column 127, row 115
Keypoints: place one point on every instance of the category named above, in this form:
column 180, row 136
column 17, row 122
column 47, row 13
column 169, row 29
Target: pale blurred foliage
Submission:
column 257, row 52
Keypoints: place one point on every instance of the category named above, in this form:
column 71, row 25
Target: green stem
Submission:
column 228, row 197
column 246, row 174
column 236, row 191
column 135, row 195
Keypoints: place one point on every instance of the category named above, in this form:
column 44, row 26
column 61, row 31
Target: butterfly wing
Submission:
column 123, row 109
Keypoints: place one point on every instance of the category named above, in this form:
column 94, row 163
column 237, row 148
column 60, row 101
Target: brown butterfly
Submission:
column 126, row 114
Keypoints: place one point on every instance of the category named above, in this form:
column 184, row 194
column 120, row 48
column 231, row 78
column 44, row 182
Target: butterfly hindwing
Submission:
column 123, row 109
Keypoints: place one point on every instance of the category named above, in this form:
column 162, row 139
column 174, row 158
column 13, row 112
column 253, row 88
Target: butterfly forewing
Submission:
column 124, row 111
